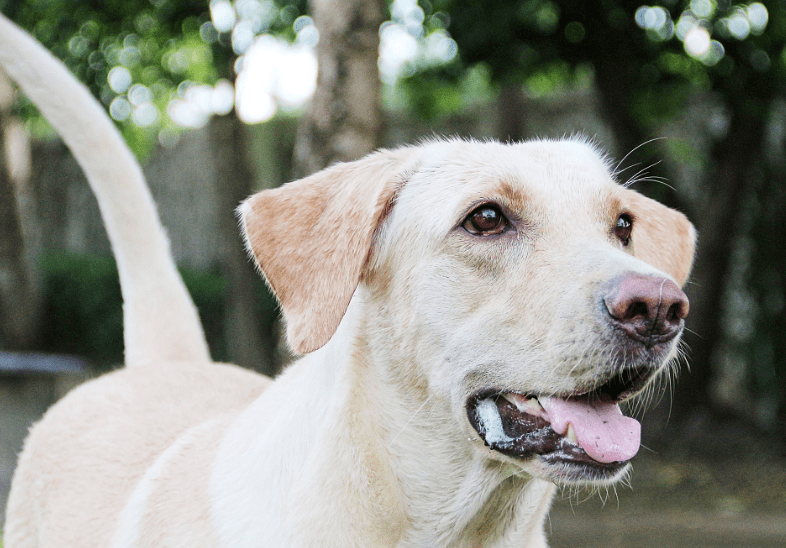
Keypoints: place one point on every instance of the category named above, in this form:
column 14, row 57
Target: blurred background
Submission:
column 221, row 98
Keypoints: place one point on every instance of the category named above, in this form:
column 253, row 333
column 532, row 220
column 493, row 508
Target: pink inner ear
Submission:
column 311, row 239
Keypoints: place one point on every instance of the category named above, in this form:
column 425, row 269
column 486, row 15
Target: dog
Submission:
column 471, row 315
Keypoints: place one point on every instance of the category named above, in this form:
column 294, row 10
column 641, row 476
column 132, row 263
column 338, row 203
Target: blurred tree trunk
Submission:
column 248, row 343
column 20, row 285
column 767, row 347
column 734, row 161
column 344, row 120
column 511, row 113
column 616, row 81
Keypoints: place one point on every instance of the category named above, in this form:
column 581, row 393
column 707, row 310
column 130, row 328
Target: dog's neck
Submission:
column 382, row 459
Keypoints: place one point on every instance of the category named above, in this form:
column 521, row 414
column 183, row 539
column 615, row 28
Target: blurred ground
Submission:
column 696, row 503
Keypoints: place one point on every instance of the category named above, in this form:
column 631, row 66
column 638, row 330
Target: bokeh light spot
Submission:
column 574, row 32
column 119, row 79
column 697, row 41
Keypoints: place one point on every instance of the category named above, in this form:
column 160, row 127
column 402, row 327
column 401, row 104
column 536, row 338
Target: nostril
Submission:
column 672, row 314
column 677, row 312
column 638, row 309
column 682, row 306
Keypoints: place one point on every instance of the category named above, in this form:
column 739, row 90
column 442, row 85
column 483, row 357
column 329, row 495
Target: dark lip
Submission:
column 533, row 437
column 619, row 387
column 582, row 469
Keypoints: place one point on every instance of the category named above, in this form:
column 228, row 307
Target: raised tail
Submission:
column 160, row 320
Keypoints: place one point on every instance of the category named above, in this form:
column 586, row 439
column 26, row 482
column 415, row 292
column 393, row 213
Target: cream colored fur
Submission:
column 365, row 440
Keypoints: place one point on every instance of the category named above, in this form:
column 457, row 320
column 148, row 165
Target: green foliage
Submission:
column 137, row 53
column 647, row 54
column 684, row 152
column 93, row 37
column 84, row 313
column 83, row 307
column 654, row 105
column 438, row 92
column 556, row 78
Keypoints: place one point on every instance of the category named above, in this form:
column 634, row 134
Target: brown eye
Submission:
column 485, row 220
column 623, row 228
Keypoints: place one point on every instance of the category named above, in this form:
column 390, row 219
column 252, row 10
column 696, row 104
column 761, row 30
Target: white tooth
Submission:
column 535, row 406
column 531, row 406
column 515, row 399
column 570, row 435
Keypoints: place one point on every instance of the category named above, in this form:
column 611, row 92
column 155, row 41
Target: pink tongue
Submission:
column 601, row 429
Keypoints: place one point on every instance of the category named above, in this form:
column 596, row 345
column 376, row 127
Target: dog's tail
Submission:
column 160, row 320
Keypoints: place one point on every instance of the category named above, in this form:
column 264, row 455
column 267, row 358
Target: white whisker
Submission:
column 410, row 420
column 615, row 171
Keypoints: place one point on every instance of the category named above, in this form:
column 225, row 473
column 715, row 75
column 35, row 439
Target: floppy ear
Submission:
column 311, row 239
column 662, row 237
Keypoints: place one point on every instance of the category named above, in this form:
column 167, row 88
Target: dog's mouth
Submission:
column 583, row 434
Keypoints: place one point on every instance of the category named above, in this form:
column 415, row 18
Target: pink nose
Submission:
column 649, row 309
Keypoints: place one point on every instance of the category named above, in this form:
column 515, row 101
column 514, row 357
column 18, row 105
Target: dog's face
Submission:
column 499, row 269
column 525, row 289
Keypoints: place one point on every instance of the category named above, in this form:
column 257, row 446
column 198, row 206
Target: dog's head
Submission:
column 519, row 283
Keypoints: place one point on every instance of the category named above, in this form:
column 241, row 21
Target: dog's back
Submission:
column 111, row 432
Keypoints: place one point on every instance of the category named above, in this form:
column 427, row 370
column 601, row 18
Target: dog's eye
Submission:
column 485, row 220
column 623, row 228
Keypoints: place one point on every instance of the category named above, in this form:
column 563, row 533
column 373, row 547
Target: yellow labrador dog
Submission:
column 472, row 315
